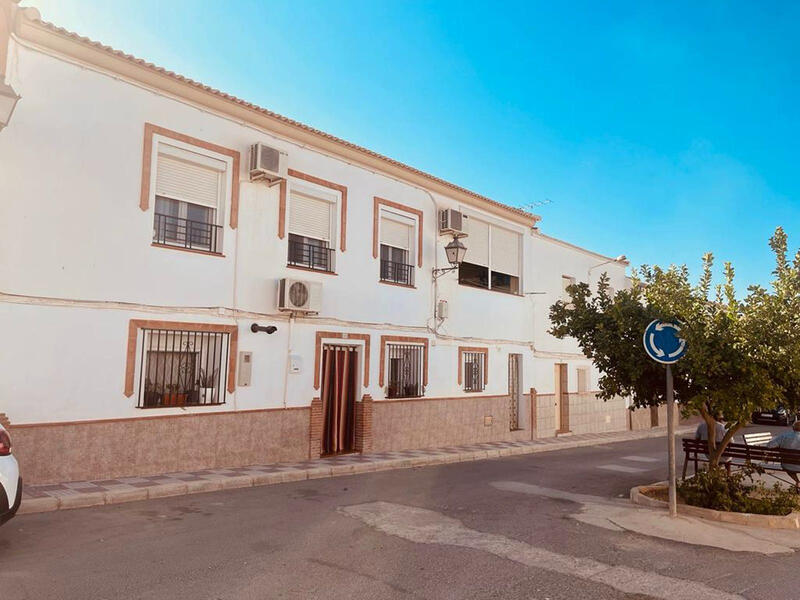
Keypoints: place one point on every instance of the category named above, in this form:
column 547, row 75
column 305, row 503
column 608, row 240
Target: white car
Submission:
column 10, row 481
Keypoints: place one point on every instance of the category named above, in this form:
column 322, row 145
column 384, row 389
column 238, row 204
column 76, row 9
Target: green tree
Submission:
column 743, row 355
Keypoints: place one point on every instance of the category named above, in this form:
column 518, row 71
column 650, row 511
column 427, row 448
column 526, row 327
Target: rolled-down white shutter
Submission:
column 505, row 251
column 396, row 233
column 310, row 217
column 186, row 181
column 477, row 243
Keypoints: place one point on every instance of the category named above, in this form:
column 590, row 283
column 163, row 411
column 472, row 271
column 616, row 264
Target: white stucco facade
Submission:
column 78, row 263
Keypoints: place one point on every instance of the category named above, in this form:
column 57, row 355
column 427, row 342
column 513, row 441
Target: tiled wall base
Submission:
column 587, row 414
column 150, row 446
column 440, row 422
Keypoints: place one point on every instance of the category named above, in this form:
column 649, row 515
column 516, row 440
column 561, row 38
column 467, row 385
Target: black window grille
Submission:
column 187, row 225
column 474, row 371
column 406, row 366
column 395, row 267
column 182, row 368
column 310, row 253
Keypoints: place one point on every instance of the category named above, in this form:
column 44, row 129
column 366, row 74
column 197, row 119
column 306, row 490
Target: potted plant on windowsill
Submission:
column 207, row 382
column 174, row 396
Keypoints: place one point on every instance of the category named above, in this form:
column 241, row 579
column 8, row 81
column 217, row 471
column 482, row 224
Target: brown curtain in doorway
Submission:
column 339, row 372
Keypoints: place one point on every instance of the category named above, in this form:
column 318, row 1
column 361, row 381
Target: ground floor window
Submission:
column 182, row 368
column 474, row 371
column 406, row 365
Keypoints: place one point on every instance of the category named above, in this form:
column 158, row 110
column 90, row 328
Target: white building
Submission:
column 137, row 251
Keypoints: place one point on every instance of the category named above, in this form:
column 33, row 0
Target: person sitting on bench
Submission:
column 701, row 433
column 790, row 439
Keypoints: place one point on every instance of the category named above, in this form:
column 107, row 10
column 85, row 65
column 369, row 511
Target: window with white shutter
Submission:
column 493, row 257
column 188, row 199
column 396, row 252
column 311, row 232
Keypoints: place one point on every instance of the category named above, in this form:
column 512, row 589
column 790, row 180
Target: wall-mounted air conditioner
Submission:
column 267, row 163
column 299, row 296
column 453, row 222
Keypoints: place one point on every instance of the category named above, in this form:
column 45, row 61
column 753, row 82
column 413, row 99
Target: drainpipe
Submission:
column 435, row 262
column 288, row 358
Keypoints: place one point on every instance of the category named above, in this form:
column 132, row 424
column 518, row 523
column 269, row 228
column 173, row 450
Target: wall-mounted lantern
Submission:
column 455, row 252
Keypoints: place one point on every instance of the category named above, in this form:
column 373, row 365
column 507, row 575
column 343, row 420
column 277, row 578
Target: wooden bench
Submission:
column 756, row 454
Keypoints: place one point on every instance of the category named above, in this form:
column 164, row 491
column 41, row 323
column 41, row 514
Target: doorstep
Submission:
column 79, row 494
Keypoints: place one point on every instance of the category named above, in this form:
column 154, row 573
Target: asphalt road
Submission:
column 434, row 532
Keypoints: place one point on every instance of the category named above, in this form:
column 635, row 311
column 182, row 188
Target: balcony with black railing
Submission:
column 310, row 256
column 395, row 272
column 185, row 233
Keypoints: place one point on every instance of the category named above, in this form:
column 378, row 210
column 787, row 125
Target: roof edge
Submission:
column 31, row 28
column 561, row 242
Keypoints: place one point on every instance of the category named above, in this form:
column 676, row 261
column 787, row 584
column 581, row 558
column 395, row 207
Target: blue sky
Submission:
column 659, row 130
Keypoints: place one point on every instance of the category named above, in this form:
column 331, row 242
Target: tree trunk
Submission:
column 715, row 451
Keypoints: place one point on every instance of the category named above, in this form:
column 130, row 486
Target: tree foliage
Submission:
column 743, row 354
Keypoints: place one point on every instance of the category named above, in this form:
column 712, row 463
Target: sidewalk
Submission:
column 78, row 494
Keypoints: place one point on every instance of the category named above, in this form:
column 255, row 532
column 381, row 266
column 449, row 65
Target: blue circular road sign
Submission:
column 662, row 342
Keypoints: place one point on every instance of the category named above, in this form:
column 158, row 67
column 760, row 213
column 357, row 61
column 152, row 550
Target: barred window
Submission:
column 406, row 364
column 182, row 368
column 474, row 371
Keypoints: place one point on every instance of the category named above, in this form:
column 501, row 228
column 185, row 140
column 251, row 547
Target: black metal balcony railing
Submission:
column 397, row 272
column 197, row 235
column 310, row 256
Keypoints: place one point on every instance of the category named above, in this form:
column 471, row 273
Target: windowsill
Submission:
column 192, row 250
column 310, row 270
column 474, row 391
column 495, row 290
column 394, row 283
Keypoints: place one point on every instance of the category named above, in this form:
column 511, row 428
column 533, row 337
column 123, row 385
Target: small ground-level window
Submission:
column 182, row 368
column 474, row 371
column 406, row 364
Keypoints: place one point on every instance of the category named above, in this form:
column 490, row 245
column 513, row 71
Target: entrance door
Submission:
column 562, row 398
column 339, row 389
column 514, row 391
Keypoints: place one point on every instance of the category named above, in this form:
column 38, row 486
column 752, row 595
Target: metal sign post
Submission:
column 673, row 492
column 663, row 345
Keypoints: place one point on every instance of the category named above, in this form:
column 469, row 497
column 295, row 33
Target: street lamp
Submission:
column 455, row 252
column 8, row 100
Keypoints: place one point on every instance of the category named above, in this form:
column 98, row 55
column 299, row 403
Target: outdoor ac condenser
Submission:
column 267, row 163
column 453, row 222
column 299, row 296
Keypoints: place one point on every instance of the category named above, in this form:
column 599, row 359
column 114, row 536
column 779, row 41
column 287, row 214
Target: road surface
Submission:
column 460, row 531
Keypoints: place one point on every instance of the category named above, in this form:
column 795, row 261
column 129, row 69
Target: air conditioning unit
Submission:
column 267, row 163
column 453, row 222
column 299, row 296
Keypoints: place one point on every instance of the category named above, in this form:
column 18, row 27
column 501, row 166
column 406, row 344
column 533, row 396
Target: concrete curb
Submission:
column 790, row 521
column 49, row 504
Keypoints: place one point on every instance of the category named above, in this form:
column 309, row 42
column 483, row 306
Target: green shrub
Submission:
column 737, row 492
